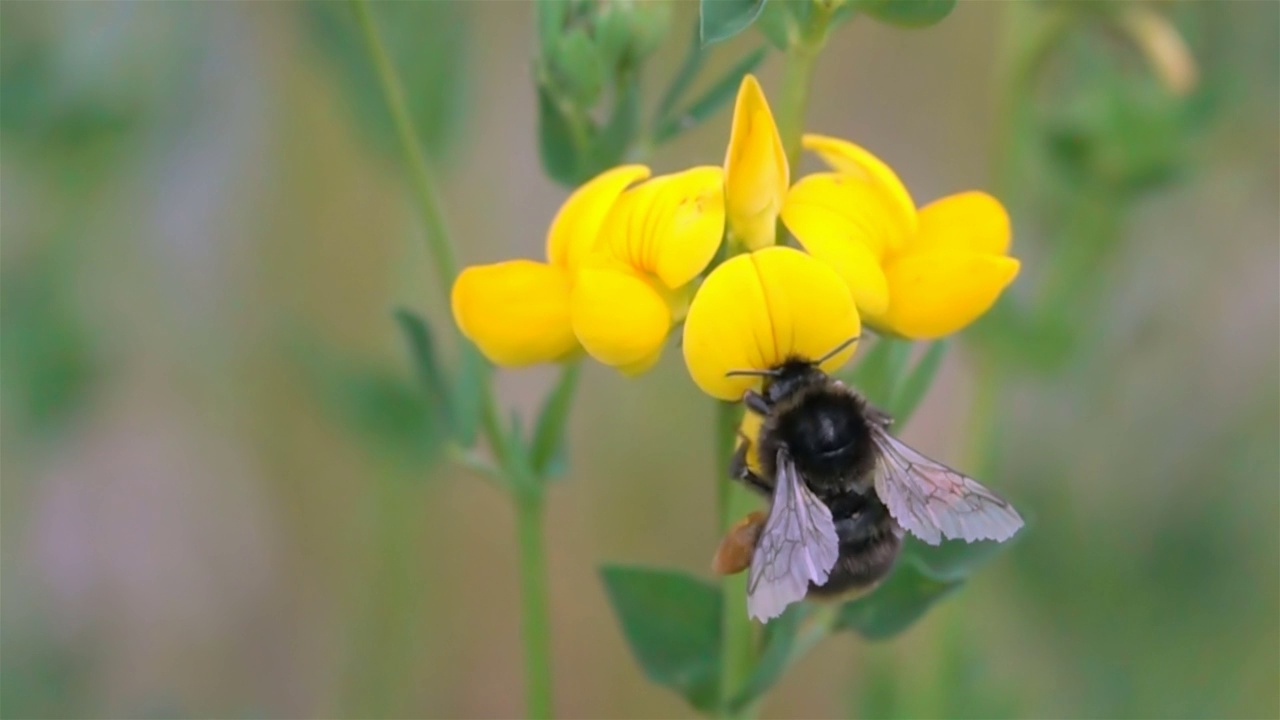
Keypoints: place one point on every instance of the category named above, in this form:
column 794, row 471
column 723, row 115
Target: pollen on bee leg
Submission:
column 738, row 545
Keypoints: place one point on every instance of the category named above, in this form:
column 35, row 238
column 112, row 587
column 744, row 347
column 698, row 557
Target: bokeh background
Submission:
column 216, row 500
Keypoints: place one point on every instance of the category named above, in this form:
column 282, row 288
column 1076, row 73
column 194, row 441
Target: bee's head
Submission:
column 794, row 374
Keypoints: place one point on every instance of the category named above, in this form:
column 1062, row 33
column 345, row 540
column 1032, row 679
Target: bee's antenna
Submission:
column 754, row 373
column 839, row 349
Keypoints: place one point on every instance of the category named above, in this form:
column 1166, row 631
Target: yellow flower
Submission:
column 656, row 240
column 757, row 192
column 757, row 310
column 621, row 262
column 917, row 274
column 943, row 266
column 952, row 271
column 517, row 312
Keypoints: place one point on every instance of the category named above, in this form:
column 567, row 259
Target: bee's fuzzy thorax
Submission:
column 823, row 425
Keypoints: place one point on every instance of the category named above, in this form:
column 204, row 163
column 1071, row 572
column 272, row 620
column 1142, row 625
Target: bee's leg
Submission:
column 756, row 402
column 739, row 470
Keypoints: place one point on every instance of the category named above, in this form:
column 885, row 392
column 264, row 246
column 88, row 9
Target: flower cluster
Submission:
column 626, row 252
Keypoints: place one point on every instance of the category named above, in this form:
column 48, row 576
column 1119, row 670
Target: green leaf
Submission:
column 558, row 145
column 551, row 17
column 953, row 560
column 722, row 19
column 391, row 416
column 781, row 23
column 779, row 638
column 877, row 373
column 716, row 97
column 908, row 13
column 897, row 604
column 911, row 390
column 427, row 43
column 49, row 362
column 427, row 365
column 549, row 434
column 672, row 623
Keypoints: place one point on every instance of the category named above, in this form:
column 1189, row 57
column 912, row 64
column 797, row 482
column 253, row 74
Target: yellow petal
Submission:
column 850, row 209
column 620, row 319
column 969, row 221
column 845, row 157
column 576, row 227
column 670, row 226
column 935, row 294
column 856, row 264
column 756, row 174
column 756, row 311
column 516, row 312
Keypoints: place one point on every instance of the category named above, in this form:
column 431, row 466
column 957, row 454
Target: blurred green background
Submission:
column 217, row 500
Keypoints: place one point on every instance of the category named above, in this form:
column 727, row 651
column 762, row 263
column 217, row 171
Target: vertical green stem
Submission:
column 527, row 493
column 737, row 636
column 534, row 606
column 424, row 186
column 797, row 78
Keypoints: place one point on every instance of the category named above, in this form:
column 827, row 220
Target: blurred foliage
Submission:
column 588, row 51
column 78, row 82
column 48, row 360
column 396, row 419
column 428, row 44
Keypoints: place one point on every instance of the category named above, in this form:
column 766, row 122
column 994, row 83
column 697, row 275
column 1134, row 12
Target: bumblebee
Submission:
column 843, row 491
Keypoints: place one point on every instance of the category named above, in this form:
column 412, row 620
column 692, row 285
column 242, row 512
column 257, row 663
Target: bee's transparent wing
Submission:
column 930, row 500
column 798, row 545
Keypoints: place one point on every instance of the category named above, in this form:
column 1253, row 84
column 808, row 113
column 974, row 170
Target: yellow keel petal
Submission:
column 758, row 310
column 619, row 318
column 516, row 312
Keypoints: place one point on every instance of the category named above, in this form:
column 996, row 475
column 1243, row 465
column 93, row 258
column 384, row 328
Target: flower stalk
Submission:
column 517, row 476
column 737, row 650
column 797, row 79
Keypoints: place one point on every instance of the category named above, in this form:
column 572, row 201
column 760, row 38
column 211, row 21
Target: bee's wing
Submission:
column 930, row 500
column 798, row 545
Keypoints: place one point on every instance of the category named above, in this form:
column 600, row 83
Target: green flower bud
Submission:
column 575, row 66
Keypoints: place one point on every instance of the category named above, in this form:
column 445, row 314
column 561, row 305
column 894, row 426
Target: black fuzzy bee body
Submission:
column 825, row 429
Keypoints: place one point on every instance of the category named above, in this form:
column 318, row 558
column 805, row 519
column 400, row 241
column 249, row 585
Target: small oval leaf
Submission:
column 722, row 19
column 908, row 13
column 672, row 623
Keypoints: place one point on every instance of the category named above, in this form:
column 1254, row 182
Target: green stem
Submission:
column 797, row 77
column 534, row 605
column 424, row 186
column 526, row 492
column 737, row 636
